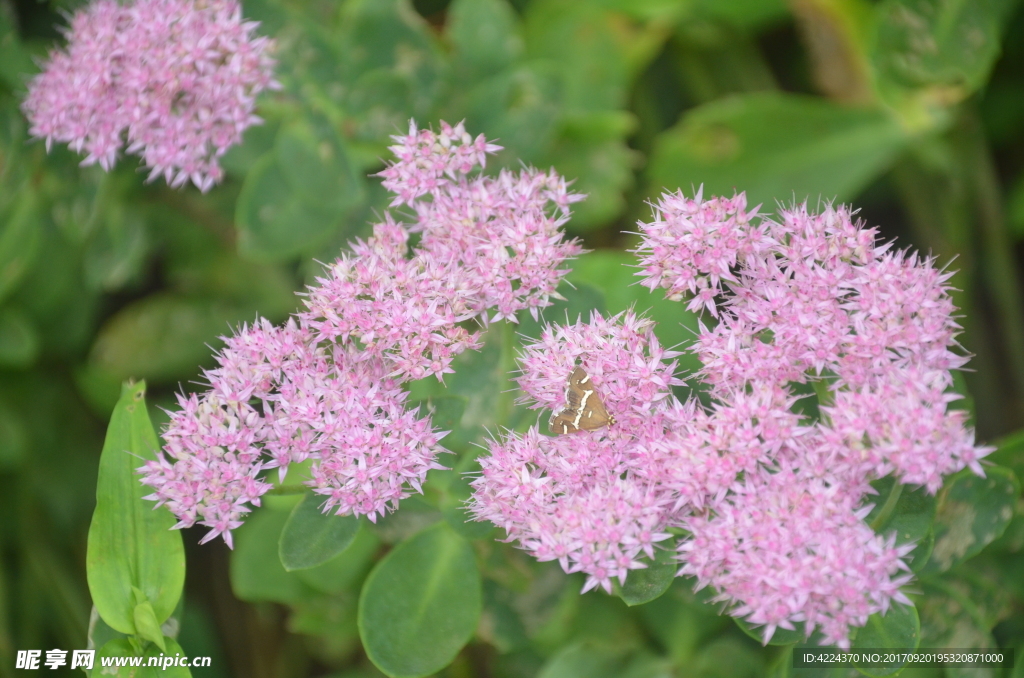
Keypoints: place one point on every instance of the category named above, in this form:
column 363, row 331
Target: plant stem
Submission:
column 890, row 505
column 507, row 363
column 998, row 265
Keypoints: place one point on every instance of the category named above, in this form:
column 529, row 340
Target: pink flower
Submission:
column 278, row 399
column 691, row 246
column 489, row 242
column 634, row 374
column 178, row 78
column 807, row 299
column 785, row 547
column 587, row 499
column 328, row 386
column 812, row 298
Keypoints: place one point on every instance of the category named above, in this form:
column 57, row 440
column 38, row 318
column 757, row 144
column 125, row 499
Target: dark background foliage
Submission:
column 912, row 110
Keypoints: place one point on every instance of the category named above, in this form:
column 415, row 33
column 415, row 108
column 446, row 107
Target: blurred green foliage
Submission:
column 910, row 109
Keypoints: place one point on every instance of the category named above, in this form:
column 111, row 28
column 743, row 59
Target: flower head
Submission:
column 587, row 499
column 487, row 243
column 275, row 399
column 785, row 547
column 807, row 299
column 329, row 385
column 177, row 78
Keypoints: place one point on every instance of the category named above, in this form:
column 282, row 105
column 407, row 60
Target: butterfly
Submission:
column 583, row 411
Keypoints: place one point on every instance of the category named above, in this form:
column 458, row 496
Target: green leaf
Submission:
column 453, row 503
column 15, row 63
column 950, row 619
column 971, row 513
column 147, row 626
column 946, row 44
column 899, row 628
column 586, row 660
column 909, row 513
column 412, row 517
column 256, row 569
column 421, row 604
column 257, row 141
column 116, row 253
column 521, row 106
column 445, row 411
column 118, row 647
column 390, row 34
column 165, row 337
column 316, row 166
column 19, row 341
column 311, row 538
column 345, row 569
column 1010, row 453
column 19, row 240
column 745, row 14
column 274, row 222
column 596, row 51
column 485, row 36
column 62, row 307
column 776, row 147
column 161, row 337
column 643, row 586
column 165, row 670
column 602, row 169
column 582, row 298
column 614, row 274
column 15, row 437
column 131, row 544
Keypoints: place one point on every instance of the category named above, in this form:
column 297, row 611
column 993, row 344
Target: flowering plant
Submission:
column 494, row 432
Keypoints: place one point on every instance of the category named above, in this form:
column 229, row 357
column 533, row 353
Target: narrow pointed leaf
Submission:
column 130, row 543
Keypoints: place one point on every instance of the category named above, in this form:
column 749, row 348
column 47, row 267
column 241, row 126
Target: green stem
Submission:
column 507, row 363
column 932, row 188
column 288, row 489
column 890, row 505
column 965, row 602
column 1000, row 269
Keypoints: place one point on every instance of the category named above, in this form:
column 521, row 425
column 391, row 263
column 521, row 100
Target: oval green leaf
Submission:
column 256, row 569
column 643, row 586
column 311, row 538
column 274, row 222
column 972, row 512
column 586, row 660
column 347, row 569
column 910, row 513
column 776, row 147
column 131, row 545
column 421, row 604
column 897, row 629
column 953, row 45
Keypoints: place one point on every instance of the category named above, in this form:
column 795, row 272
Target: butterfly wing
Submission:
column 584, row 409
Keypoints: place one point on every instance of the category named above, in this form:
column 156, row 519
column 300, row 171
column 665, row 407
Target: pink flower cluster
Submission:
column 587, row 500
column 328, row 385
column 279, row 398
column 796, row 549
column 178, row 78
column 772, row 499
column 486, row 242
column 806, row 299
